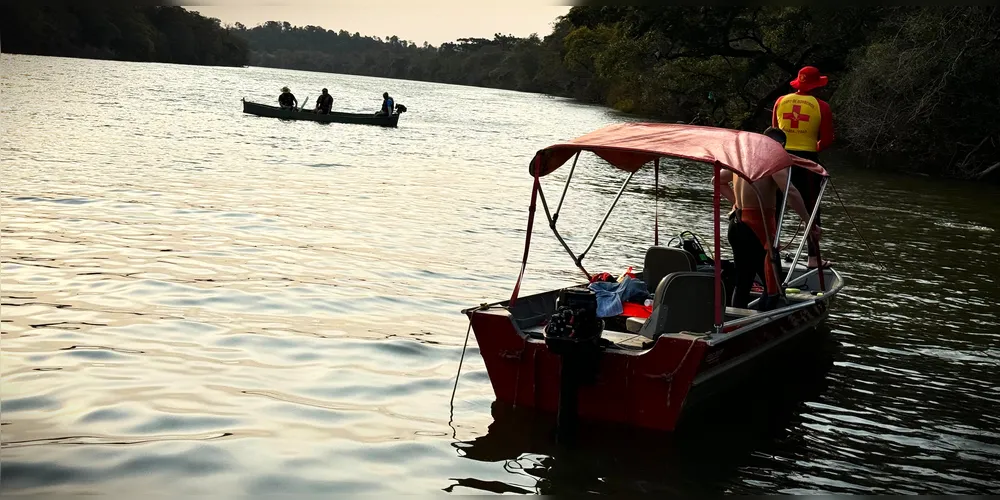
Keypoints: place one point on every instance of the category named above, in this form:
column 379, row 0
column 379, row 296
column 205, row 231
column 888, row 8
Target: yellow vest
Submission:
column 799, row 118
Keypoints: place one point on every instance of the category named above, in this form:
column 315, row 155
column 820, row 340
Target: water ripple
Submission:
column 194, row 300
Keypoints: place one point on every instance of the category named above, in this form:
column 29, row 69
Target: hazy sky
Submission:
column 416, row 20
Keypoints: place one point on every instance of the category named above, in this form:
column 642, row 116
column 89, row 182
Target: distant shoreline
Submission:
column 109, row 59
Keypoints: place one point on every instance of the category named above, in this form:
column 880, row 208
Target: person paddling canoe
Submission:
column 286, row 99
column 325, row 103
column 388, row 104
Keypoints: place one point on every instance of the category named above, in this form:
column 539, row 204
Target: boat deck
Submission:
column 619, row 337
column 634, row 341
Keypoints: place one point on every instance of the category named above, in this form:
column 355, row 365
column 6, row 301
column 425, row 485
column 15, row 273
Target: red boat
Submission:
column 650, row 366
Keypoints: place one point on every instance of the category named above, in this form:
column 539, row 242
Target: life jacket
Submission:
column 799, row 118
column 389, row 105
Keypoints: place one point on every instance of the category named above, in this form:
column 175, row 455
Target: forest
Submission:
column 118, row 30
column 911, row 86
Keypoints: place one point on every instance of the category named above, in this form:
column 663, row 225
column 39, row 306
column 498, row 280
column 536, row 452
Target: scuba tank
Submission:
column 691, row 243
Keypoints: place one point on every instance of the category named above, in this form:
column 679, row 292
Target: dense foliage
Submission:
column 927, row 87
column 507, row 62
column 916, row 84
column 118, row 30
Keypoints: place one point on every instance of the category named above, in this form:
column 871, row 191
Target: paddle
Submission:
column 303, row 104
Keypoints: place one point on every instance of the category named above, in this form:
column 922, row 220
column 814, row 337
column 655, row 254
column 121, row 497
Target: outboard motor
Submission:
column 400, row 109
column 574, row 334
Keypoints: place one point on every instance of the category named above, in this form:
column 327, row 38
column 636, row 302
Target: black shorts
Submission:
column 812, row 156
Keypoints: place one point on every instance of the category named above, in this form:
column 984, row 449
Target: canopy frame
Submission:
column 630, row 146
column 539, row 169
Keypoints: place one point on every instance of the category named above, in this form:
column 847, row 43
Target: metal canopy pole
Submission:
column 716, row 196
column 781, row 214
column 606, row 215
column 555, row 217
column 805, row 235
column 656, row 202
column 552, row 225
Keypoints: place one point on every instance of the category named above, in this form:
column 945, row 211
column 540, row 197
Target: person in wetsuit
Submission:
column 808, row 126
column 749, row 237
column 325, row 103
column 387, row 104
column 286, row 99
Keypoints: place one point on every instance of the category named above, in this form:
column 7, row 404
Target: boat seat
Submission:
column 661, row 261
column 684, row 301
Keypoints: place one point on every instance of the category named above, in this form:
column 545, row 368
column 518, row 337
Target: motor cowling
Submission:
column 574, row 322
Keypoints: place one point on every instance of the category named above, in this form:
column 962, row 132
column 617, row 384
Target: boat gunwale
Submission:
column 298, row 114
column 710, row 338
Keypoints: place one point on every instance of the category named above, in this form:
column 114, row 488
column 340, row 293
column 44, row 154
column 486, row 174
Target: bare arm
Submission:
column 793, row 195
column 794, row 198
column 725, row 177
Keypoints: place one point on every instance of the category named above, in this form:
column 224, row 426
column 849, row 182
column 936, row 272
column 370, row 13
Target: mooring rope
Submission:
column 460, row 361
column 451, row 404
column 482, row 307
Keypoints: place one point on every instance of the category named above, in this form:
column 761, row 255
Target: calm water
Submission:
column 200, row 301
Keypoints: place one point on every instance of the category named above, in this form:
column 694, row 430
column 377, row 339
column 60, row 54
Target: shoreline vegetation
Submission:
column 915, row 86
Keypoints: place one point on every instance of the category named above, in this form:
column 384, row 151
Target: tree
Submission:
column 117, row 30
column 926, row 87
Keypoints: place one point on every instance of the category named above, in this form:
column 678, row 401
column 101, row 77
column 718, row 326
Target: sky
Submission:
column 415, row 20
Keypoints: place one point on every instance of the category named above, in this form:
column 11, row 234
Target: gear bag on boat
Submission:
column 611, row 295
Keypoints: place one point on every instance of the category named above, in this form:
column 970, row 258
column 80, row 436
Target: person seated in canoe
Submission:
column 748, row 237
column 325, row 103
column 286, row 99
column 387, row 105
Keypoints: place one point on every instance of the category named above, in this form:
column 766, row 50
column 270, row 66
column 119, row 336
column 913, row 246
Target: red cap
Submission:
column 809, row 78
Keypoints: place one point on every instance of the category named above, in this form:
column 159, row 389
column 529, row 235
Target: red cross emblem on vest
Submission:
column 795, row 116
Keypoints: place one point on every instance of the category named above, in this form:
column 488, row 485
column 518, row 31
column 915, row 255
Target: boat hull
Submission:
column 332, row 117
column 649, row 386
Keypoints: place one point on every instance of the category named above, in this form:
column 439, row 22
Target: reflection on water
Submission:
column 195, row 300
column 704, row 457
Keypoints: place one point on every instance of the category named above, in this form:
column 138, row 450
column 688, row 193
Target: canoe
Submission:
column 649, row 369
column 265, row 110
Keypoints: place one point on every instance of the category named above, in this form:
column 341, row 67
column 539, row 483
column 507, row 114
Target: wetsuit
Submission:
column 751, row 244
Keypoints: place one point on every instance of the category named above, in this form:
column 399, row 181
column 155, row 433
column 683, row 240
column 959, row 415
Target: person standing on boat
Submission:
column 750, row 237
column 808, row 126
column 286, row 99
column 387, row 104
column 325, row 103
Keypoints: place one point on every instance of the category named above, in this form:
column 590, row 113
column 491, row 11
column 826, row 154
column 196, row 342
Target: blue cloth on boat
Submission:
column 610, row 295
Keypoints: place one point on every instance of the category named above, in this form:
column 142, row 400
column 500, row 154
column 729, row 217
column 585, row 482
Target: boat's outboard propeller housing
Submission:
column 574, row 334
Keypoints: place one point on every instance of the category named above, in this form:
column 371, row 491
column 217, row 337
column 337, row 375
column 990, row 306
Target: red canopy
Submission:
column 629, row 146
